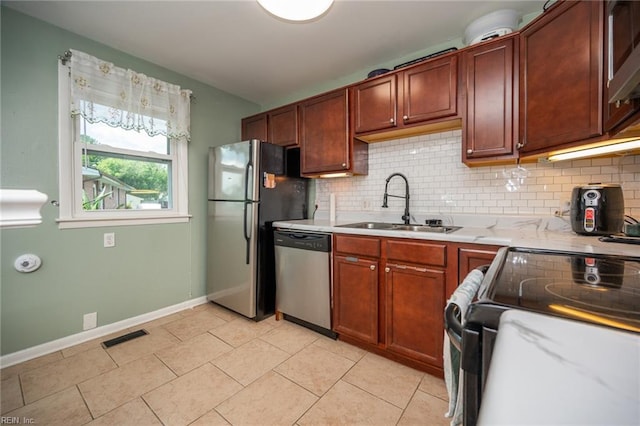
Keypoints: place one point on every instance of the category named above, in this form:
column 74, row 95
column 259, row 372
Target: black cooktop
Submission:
column 599, row 289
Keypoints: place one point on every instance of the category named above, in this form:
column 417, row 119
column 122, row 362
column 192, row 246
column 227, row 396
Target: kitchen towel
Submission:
column 462, row 297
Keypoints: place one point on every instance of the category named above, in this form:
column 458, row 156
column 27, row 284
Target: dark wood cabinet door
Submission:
column 283, row 126
column 472, row 258
column 414, row 312
column 254, row 127
column 355, row 298
column 375, row 104
column 430, row 91
column 622, row 34
column 490, row 82
column 561, row 72
column 324, row 134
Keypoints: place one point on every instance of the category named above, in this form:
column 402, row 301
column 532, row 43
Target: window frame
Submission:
column 71, row 214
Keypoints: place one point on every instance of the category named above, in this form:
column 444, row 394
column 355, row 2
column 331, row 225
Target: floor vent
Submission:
column 124, row 338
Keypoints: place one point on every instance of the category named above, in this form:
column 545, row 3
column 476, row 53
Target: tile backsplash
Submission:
column 441, row 184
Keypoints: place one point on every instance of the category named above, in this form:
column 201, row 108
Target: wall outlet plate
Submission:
column 90, row 321
column 109, row 239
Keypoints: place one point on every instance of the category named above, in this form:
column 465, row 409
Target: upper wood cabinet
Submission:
column 430, row 90
column 278, row 126
column 490, row 85
column 255, row 127
column 283, row 126
column 325, row 139
column 375, row 104
column 561, row 72
column 622, row 34
column 419, row 94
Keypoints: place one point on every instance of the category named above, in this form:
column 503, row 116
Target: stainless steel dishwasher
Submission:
column 303, row 279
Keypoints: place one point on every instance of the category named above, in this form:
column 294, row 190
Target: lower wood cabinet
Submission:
column 356, row 292
column 389, row 297
column 470, row 258
column 414, row 311
column 389, row 294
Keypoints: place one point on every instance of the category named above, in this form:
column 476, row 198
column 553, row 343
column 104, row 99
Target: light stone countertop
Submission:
column 557, row 371
column 524, row 232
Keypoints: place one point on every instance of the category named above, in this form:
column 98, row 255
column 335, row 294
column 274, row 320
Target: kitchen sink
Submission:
column 401, row 227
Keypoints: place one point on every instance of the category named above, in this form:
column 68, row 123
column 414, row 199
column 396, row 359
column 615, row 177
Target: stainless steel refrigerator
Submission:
column 251, row 184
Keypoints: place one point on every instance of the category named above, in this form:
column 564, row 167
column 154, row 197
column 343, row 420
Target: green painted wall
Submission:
column 151, row 267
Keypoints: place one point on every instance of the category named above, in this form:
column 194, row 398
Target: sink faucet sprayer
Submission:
column 406, row 217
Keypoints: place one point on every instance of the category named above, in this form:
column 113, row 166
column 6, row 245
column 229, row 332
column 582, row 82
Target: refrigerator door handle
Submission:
column 248, row 171
column 247, row 231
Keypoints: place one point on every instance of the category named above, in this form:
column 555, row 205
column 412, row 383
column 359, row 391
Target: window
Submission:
column 122, row 146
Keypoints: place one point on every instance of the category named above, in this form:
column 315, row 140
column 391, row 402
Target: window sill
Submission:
column 69, row 223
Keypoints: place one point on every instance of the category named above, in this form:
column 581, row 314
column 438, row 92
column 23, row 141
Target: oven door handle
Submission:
column 453, row 325
column 453, row 318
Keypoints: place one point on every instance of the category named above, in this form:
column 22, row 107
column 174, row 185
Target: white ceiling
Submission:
column 238, row 47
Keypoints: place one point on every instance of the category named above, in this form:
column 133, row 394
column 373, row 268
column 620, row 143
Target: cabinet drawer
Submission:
column 362, row 246
column 417, row 252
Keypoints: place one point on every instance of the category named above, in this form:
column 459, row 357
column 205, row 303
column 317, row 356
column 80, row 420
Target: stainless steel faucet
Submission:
column 407, row 216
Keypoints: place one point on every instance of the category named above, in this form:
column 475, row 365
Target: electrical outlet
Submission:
column 90, row 321
column 109, row 239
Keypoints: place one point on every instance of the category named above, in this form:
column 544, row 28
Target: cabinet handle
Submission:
column 413, row 268
column 469, row 151
column 405, row 117
column 387, row 269
column 372, row 267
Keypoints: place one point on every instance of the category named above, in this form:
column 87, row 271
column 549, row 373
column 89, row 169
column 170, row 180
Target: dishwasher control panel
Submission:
column 303, row 240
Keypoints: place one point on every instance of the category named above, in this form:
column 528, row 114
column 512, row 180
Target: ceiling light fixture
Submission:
column 296, row 10
column 628, row 145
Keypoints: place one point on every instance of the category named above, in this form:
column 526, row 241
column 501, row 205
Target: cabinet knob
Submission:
column 372, row 267
column 405, row 117
column 519, row 145
column 469, row 151
column 391, row 120
column 344, row 165
column 387, row 269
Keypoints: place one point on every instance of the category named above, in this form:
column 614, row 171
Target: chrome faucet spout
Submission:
column 407, row 216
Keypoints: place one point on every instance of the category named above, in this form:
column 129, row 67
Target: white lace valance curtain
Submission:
column 102, row 92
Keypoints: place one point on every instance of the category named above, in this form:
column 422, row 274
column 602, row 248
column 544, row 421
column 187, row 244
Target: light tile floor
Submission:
column 209, row 366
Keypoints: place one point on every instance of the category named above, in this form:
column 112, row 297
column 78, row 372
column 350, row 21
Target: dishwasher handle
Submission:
column 303, row 240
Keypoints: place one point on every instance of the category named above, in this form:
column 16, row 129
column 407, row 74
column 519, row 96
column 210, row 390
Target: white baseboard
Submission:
column 84, row 336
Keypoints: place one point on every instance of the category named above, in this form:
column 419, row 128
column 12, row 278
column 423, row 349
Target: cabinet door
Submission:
column 283, row 126
column 324, row 134
column 375, row 104
column 561, row 71
column 489, row 80
column 254, row 127
column 414, row 312
column 430, row 90
column 469, row 259
column 355, row 298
